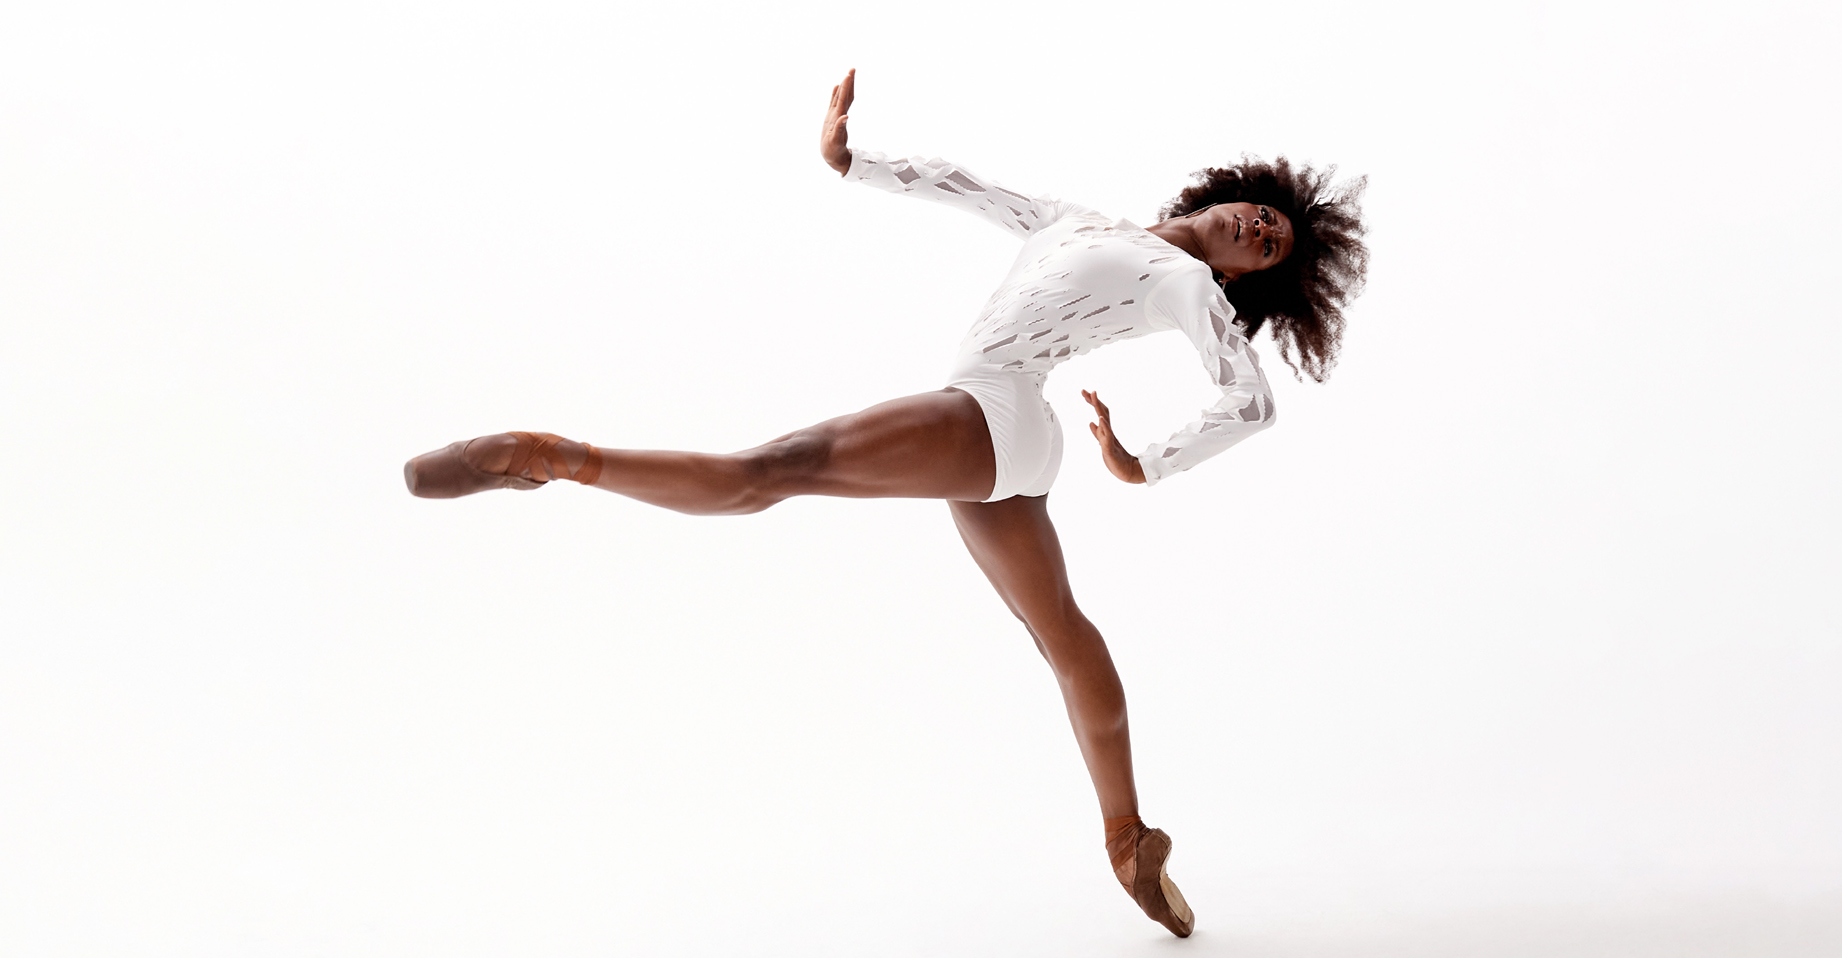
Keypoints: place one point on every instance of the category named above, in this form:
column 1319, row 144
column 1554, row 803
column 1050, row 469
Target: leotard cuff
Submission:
column 856, row 168
column 1151, row 467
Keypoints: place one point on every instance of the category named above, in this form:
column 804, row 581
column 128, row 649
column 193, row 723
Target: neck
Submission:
column 1180, row 232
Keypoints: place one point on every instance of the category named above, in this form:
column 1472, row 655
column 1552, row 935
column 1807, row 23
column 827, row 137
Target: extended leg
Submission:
column 928, row 446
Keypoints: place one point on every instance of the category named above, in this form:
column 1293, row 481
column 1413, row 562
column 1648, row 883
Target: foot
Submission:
column 518, row 460
column 1139, row 855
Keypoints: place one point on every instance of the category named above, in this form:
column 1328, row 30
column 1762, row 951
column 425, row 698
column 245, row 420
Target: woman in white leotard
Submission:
column 1249, row 245
column 1082, row 280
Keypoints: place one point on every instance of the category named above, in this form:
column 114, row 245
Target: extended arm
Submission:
column 934, row 179
column 956, row 186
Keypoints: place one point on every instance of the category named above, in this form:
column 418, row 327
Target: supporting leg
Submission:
column 1015, row 544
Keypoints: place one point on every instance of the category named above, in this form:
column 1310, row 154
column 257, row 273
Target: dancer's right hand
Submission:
column 833, row 135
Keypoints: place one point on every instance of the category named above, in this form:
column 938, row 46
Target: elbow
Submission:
column 1258, row 412
column 1266, row 416
column 1254, row 427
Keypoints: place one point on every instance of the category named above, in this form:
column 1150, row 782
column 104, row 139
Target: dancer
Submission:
column 1248, row 245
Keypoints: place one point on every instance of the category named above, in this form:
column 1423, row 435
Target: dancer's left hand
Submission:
column 1118, row 461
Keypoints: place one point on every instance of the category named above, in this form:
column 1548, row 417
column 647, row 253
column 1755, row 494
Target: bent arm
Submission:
column 954, row 185
column 1197, row 308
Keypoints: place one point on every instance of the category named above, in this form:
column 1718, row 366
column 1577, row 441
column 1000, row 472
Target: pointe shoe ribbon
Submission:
column 537, row 455
column 1138, row 855
column 449, row 474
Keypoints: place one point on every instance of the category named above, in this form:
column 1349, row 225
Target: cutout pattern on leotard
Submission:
column 1071, row 255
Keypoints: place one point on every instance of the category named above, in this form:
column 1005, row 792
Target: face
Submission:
column 1240, row 238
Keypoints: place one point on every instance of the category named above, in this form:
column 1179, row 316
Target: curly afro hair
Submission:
column 1302, row 297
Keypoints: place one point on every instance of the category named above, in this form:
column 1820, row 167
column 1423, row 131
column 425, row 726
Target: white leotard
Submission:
column 1082, row 281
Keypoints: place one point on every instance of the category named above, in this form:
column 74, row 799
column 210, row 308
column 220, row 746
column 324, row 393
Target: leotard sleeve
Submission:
column 1189, row 301
column 955, row 186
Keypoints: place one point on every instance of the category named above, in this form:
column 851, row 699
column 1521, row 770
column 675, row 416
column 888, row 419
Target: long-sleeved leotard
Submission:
column 1082, row 281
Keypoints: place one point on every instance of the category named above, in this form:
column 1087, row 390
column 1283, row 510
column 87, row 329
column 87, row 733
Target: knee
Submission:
column 1060, row 624
column 780, row 470
column 1064, row 635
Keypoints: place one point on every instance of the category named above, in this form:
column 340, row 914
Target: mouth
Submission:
column 1237, row 226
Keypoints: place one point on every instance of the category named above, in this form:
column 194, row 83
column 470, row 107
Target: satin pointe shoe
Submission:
column 448, row 474
column 1139, row 855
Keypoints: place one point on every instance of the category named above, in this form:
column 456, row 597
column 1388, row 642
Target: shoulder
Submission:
column 1189, row 290
column 1075, row 210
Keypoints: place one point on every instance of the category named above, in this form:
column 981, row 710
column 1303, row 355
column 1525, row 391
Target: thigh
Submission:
column 1015, row 545
column 929, row 446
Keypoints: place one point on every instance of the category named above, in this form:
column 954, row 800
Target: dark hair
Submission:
column 1302, row 297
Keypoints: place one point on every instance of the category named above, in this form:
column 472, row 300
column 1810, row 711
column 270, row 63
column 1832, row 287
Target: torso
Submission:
column 1078, row 284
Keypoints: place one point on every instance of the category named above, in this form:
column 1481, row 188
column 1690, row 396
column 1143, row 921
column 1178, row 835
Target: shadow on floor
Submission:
column 1713, row 928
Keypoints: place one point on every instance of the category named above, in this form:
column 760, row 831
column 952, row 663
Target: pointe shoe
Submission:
column 1139, row 855
column 448, row 474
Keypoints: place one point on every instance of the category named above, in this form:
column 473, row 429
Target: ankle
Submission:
column 1118, row 826
column 537, row 456
column 1122, row 844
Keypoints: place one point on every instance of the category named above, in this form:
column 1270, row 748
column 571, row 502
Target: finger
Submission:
column 849, row 86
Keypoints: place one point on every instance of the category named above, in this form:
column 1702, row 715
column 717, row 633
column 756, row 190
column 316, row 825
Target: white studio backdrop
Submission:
column 1517, row 637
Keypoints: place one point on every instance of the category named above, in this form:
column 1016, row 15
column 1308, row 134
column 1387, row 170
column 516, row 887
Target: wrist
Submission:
column 1136, row 467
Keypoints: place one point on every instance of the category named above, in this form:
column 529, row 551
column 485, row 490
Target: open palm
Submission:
column 833, row 136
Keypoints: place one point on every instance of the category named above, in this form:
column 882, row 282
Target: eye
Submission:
column 1266, row 215
column 1268, row 247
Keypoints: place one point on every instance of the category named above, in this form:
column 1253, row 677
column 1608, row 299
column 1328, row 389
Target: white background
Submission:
column 1518, row 637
